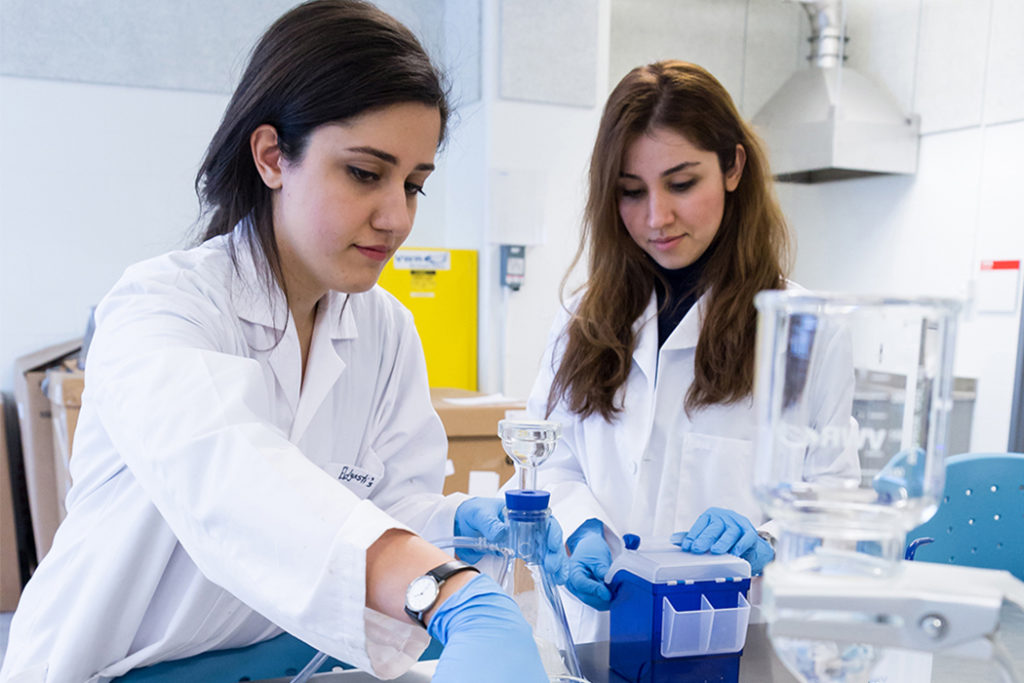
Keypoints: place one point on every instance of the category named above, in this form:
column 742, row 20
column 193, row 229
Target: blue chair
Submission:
column 980, row 520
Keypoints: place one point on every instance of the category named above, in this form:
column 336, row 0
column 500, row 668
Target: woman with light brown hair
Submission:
column 650, row 369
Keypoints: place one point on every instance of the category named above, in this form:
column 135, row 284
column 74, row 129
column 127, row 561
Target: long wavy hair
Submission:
column 750, row 252
column 324, row 61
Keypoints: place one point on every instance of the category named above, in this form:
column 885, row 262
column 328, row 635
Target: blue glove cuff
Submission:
column 481, row 591
column 591, row 526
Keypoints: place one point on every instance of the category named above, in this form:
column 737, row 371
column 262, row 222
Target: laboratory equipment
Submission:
column 841, row 523
column 677, row 616
column 809, row 475
column 529, row 443
column 826, row 619
column 534, row 588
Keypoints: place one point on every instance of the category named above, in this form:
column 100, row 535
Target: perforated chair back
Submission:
column 980, row 520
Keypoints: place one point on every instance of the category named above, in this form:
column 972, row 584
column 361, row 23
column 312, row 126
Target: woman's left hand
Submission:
column 721, row 531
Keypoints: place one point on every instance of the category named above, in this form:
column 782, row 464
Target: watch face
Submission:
column 421, row 593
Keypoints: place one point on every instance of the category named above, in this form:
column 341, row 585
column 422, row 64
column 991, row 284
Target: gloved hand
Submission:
column 481, row 517
column 902, row 477
column 486, row 517
column 482, row 630
column 723, row 531
column 589, row 560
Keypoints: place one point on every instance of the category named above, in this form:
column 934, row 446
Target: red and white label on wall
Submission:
column 997, row 287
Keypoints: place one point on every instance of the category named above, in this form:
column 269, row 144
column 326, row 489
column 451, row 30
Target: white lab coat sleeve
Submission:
column 190, row 417
column 410, row 440
column 564, row 475
column 834, row 456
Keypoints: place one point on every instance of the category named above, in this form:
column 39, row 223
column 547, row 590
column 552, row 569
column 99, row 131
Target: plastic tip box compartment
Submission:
column 677, row 616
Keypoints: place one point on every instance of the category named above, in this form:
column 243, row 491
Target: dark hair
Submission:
column 748, row 254
column 323, row 61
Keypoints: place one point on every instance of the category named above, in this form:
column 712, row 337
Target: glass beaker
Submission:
column 853, row 395
column 528, row 443
column 534, row 589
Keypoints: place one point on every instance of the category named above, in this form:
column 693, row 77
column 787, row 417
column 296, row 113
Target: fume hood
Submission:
column 829, row 122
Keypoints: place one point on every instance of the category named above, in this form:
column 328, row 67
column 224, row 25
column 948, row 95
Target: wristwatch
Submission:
column 422, row 593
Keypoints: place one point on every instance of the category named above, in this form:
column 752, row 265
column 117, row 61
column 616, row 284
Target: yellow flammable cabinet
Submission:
column 439, row 286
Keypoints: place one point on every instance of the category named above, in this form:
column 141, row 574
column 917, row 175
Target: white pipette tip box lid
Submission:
column 677, row 615
column 662, row 562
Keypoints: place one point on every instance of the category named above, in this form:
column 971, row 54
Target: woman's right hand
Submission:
column 589, row 560
column 485, row 637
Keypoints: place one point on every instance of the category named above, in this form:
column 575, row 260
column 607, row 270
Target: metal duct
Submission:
column 829, row 122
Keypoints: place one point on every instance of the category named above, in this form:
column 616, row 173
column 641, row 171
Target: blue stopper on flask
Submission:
column 632, row 541
column 527, row 500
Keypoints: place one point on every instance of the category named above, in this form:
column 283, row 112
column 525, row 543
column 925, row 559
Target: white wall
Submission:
column 95, row 177
column 959, row 64
column 92, row 178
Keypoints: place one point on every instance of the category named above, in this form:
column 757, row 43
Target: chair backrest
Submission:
column 980, row 520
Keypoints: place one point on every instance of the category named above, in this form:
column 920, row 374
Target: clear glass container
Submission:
column 534, row 589
column 853, row 396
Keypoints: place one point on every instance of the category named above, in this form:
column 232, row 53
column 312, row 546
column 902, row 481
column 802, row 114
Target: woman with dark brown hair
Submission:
column 256, row 448
column 651, row 368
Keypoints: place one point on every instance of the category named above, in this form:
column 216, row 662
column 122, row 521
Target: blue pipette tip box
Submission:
column 677, row 616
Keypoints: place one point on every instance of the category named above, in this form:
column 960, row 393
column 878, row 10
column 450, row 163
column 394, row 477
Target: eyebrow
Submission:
column 666, row 172
column 387, row 158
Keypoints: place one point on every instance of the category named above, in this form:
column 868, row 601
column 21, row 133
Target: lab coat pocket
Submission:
column 720, row 474
column 360, row 479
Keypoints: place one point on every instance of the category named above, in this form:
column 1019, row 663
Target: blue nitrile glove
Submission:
column 486, row 517
column 481, row 517
column 902, row 477
column 721, row 531
column 590, row 559
column 484, row 636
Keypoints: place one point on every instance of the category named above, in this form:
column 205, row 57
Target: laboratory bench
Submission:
column 759, row 664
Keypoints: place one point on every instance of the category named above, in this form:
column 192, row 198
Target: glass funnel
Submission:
column 529, row 443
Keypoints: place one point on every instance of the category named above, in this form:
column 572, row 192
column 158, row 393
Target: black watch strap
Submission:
column 443, row 571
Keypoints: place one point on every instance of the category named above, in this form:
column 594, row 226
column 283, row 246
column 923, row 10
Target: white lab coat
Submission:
column 214, row 503
column 654, row 469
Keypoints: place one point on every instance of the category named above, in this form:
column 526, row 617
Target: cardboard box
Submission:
column 473, row 443
column 63, row 386
column 34, row 418
column 10, row 573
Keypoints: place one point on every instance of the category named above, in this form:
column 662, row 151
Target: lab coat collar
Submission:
column 645, row 329
column 335, row 320
column 254, row 304
column 687, row 332
column 684, row 336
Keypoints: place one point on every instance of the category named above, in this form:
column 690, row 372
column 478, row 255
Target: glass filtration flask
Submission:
column 534, row 589
column 853, row 396
column 529, row 443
